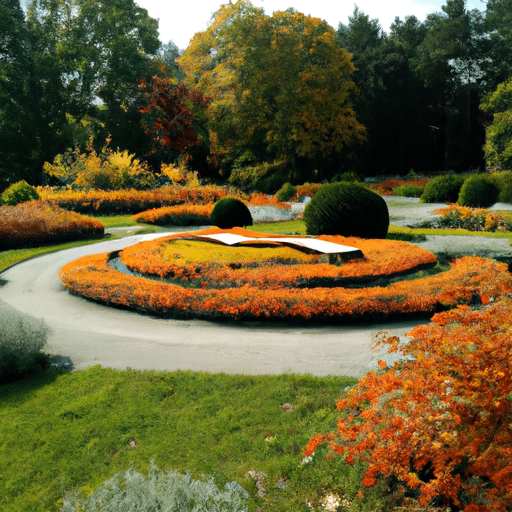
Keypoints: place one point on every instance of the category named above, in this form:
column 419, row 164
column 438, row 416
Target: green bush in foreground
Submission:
column 160, row 490
column 409, row 191
column 20, row 192
column 229, row 212
column 443, row 189
column 347, row 209
column 478, row 191
column 22, row 339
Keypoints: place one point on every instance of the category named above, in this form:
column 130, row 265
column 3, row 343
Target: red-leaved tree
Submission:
column 172, row 111
column 440, row 423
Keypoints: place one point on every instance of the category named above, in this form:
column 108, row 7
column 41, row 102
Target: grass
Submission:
column 72, row 431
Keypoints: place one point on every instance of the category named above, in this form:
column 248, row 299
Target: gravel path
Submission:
column 89, row 333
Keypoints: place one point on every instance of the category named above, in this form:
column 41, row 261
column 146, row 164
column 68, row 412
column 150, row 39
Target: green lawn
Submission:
column 72, row 431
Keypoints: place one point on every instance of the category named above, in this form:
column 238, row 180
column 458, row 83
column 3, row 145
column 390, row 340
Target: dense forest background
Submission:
column 286, row 96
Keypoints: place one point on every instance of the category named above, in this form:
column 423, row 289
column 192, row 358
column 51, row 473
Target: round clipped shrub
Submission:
column 230, row 212
column 347, row 209
column 20, row 192
column 286, row 192
column 443, row 189
column 408, row 191
column 478, row 191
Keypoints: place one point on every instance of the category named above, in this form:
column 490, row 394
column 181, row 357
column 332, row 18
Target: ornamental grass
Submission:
column 468, row 279
column 37, row 223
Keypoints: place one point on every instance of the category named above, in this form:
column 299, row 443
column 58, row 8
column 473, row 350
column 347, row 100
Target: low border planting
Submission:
column 38, row 223
column 469, row 279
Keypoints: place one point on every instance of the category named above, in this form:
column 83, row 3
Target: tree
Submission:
column 19, row 145
column 172, row 105
column 90, row 53
column 498, row 24
column 498, row 140
column 450, row 61
column 281, row 88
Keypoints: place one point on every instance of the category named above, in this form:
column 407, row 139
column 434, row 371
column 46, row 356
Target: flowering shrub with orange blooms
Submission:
column 93, row 277
column 258, row 199
column 306, row 189
column 224, row 266
column 440, row 422
column 131, row 201
column 385, row 188
column 36, row 223
column 473, row 219
column 179, row 215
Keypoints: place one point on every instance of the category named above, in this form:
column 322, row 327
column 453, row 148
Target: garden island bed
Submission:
column 211, row 281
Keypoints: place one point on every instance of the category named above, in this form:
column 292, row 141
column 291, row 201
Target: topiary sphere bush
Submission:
column 347, row 209
column 20, row 192
column 229, row 212
column 478, row 191
column 443, row 189
column 503, row 180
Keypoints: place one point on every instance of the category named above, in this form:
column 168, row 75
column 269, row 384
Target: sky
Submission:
column 180, row 20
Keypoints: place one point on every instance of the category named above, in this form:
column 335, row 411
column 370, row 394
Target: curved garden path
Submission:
column 90, row 333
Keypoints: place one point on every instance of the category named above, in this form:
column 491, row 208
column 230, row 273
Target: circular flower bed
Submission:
column 192, row 278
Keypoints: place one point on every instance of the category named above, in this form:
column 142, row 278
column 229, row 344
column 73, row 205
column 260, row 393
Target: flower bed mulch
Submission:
column 468, row 280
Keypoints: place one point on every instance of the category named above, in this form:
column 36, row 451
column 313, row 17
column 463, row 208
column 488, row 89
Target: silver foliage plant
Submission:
column 160, row 491
column 22, row 339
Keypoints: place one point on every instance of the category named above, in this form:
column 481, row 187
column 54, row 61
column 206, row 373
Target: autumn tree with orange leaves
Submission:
column 440, row 423
column 171, row 113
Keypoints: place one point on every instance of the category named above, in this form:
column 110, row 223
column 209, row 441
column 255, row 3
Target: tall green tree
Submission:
column 19, row 144
column 498, row 24
column 498, row 143
column 90, row 54
column 451, row 62
column 281, row 87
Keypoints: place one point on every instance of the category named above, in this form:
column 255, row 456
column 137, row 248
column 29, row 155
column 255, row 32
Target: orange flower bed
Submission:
column 385, row 188
column 383, row 258
column 470, row 277
column 35, row 223
column 180, row 215
column 118, row 202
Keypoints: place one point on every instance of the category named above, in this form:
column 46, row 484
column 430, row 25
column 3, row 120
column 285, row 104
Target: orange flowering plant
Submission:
column 469, row 278
column 275, row 267
column 473, row 219
column 37, row 222
column 438, row 423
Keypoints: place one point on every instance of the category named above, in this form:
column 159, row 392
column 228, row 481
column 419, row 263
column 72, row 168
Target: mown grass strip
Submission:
column 73, row 431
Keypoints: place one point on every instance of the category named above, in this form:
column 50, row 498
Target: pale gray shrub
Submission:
column 22, row 339
column 160, row 491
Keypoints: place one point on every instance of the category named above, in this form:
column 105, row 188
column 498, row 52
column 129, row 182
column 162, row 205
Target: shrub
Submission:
column 443, row 189
column 160, row 490
column 345, row 176
column 438, row 422
column 286, row 192
column 478, row 191
column 230, row 212
column 22, row 339
column 503, row 180
column 266, row 177
column 179, row 215
column 108, row 170
column 408, row 191
column 347, row 209
column 20, row 192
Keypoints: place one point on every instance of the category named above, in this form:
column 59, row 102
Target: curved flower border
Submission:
column 469, row 279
